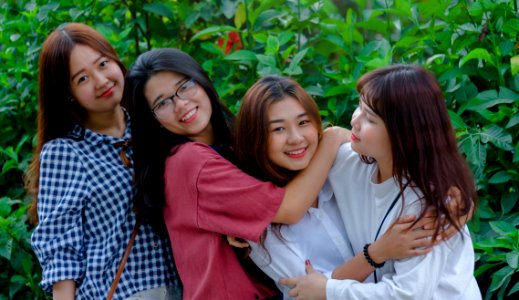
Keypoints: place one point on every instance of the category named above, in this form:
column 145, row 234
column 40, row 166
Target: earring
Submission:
column 71, row 99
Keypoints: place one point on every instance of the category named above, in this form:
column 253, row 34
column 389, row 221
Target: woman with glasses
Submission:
column 182, row 137
column 82, row 178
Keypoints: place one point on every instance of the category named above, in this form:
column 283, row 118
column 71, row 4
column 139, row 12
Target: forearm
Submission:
column 303, row 190
column 356, row 268
column 64, row 290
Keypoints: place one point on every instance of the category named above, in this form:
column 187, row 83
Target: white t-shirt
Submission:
column 444, row 273
column 319, row 237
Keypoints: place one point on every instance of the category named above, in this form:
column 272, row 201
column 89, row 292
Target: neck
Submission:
column 385, row 171
column 110, row 123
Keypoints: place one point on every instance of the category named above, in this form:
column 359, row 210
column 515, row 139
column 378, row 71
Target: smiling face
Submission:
column 190, row 117
column 96, row 81
column 293, row 136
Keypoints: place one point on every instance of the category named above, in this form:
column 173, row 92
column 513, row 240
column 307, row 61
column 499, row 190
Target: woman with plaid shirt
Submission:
column 83, row 179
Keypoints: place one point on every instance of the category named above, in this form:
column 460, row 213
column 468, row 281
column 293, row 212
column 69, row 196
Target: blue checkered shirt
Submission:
column 86, row 219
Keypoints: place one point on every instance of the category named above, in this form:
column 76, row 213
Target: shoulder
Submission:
column 193, row 151
column 192, row 156
column 346, row 160
column 60, row 148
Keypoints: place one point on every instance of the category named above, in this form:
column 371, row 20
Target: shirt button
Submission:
column 155, row 244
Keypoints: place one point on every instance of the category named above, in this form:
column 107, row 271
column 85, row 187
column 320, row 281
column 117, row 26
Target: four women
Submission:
column 188, row 185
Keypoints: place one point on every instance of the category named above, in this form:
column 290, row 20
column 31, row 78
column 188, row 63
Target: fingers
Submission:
column 235, row 242
column 293, row 293
column 405, row 219
column 420, row 251
column 289, row 281
column 308, row 267
column 449, row 232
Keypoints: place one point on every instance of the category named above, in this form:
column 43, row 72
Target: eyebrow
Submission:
column 282, row 120
column 178, row 83
column 82, row 70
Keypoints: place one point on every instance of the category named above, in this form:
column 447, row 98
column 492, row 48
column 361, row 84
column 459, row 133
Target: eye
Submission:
column 163, row 103
column 185, row 86
column 81, row 79
column 304, row 122
column 278, row 129
column 104, row 62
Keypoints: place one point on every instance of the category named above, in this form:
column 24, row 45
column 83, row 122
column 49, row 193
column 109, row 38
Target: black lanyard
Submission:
column 384, row 219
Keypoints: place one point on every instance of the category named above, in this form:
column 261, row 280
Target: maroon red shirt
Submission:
column 207, row 198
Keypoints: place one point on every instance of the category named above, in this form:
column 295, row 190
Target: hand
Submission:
column 237, row 242
column 311, row 286
column 403, row 239
column 342, row 135
column 456, row 207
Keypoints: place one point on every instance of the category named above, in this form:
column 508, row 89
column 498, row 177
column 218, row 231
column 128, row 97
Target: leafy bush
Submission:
column 326, row 45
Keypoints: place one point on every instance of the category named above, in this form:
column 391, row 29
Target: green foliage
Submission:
column 471, row 46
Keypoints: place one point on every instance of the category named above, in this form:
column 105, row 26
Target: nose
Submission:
column 294, row 137
column 100, row 79
column 355, row 119
column 179, row 103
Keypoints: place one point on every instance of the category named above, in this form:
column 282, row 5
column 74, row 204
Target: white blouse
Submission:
column 320, row 237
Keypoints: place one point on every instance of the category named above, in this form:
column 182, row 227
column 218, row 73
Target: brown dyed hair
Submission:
column 423, row 144
column 56, row 113
column 252, row 126
column 252, row 131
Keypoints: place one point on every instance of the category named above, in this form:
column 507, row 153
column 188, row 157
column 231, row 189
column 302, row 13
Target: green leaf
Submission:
column 456, row 120
column 515, row 289
column 478, row 53
column 210, row 31
column 337, row 90
column 272, row 45
column 513, row 121
column 241, row 55
column 500, row 177
column 284, row 37
column 511, row 26
column 6, row 245
column 475, row 152
column 512, row 258
column 491, row 243
column 502, row 227
column 486, row 100
column 499, row 277
column 5, row 207
column 228, row 8
column 508, row 201
column 294, row 68
column 240, row 16
column 158, row 9
column 497, row 136
column 514, row 65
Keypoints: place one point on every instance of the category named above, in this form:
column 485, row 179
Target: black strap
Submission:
column 384, row 219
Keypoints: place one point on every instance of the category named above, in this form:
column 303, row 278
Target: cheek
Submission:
column 275, row 145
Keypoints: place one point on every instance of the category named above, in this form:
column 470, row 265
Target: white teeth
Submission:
column 296, row 152
column 189, row 115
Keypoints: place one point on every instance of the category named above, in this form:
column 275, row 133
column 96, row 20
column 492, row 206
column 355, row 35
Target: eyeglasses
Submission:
column 165, row 107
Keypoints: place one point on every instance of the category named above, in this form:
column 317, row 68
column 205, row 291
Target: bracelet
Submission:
column 370, row 261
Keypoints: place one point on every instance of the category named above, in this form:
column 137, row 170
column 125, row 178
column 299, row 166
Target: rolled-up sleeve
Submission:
column 58, row 238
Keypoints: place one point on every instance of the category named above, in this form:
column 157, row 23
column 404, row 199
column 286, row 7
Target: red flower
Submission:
column 233, row 42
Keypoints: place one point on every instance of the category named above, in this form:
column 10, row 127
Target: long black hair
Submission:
column 151, row 142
